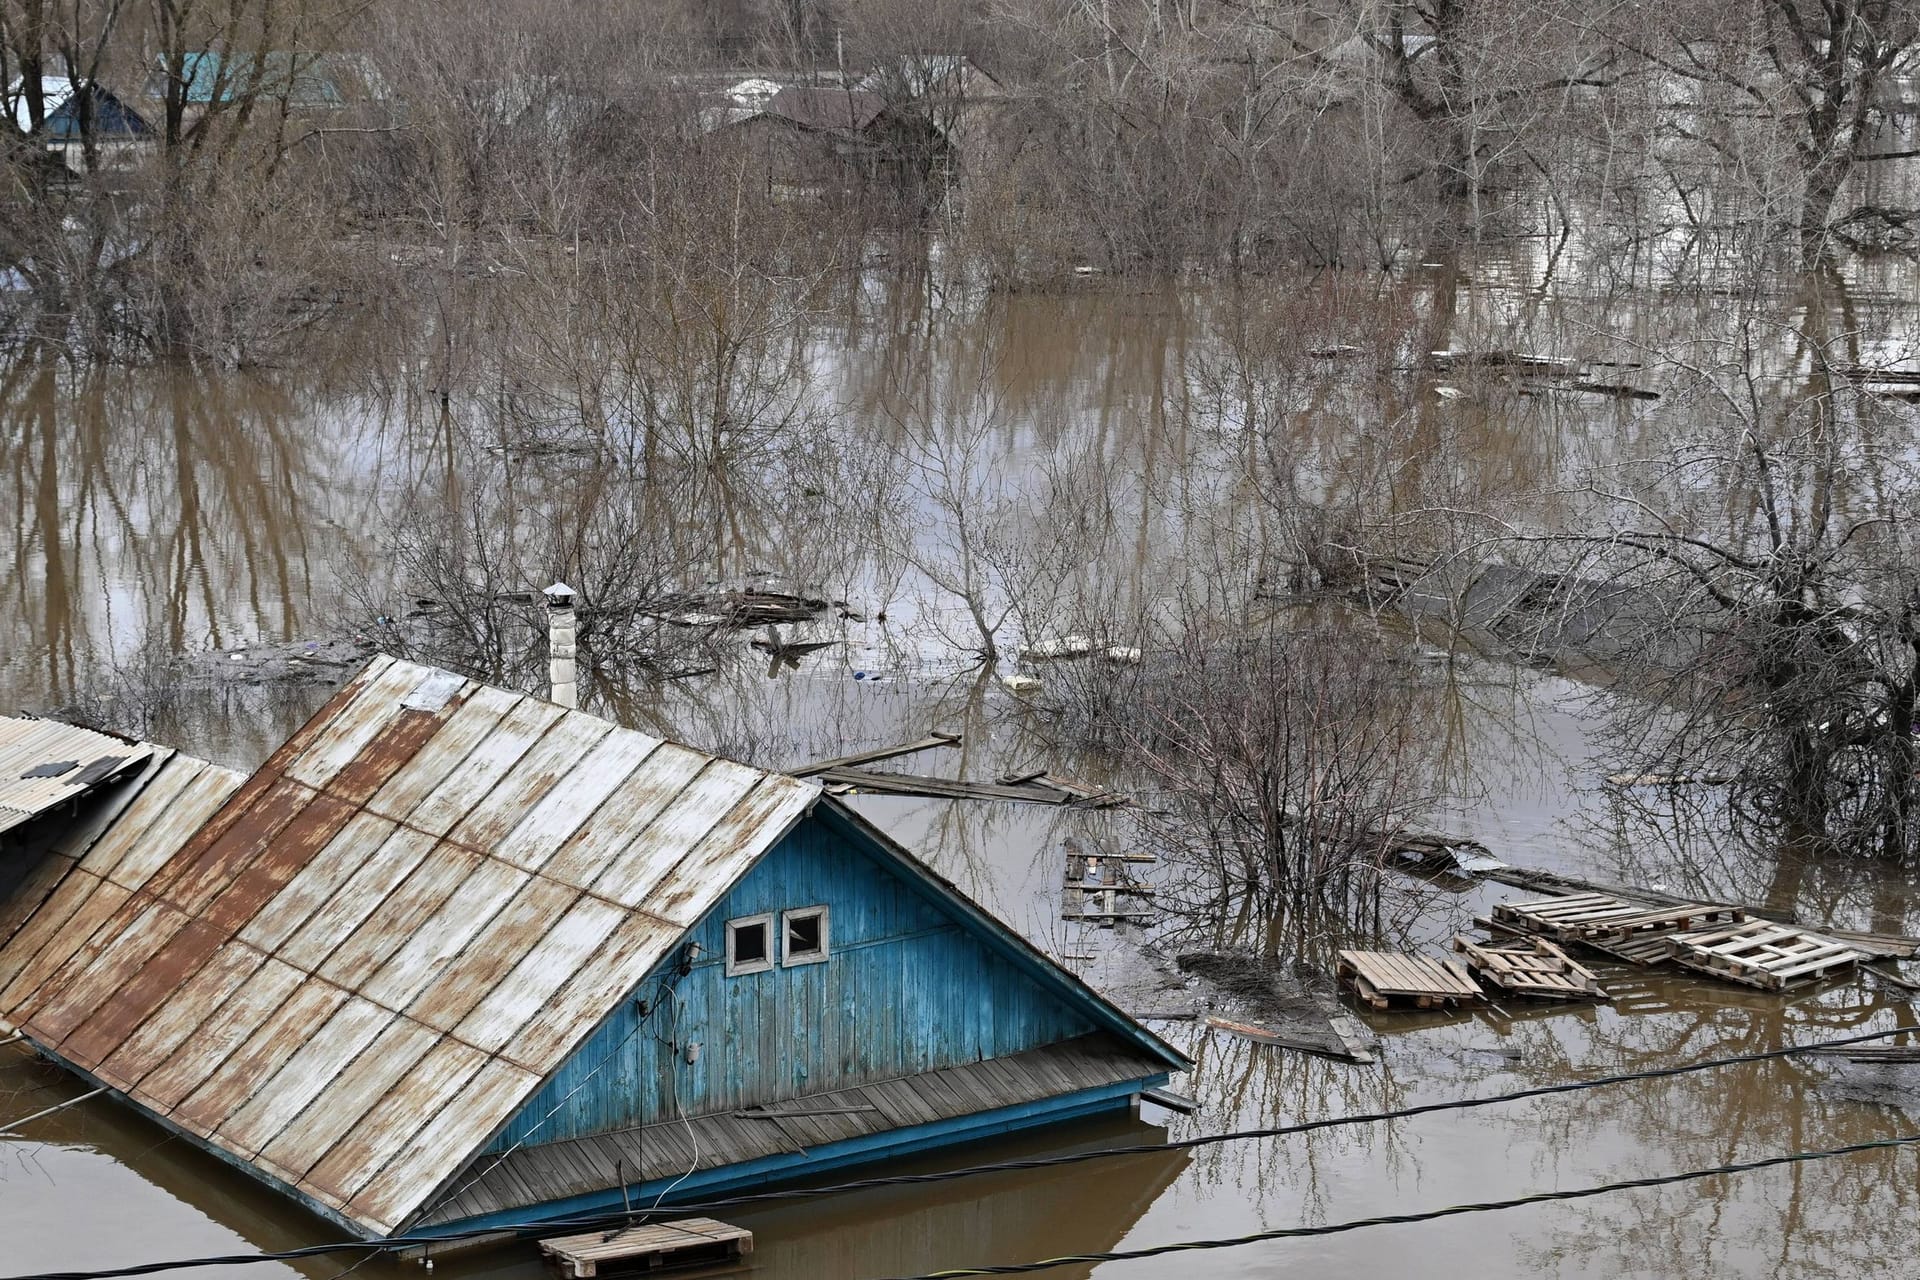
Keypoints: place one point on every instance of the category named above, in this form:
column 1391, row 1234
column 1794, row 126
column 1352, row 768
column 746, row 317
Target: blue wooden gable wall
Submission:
column 909, row 986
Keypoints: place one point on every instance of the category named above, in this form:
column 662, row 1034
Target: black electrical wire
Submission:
column 585, row 1222
column 1282, row 1131
column 1425, row 1215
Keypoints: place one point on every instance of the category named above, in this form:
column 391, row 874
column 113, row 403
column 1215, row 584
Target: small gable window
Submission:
column 805, row 936
column 749, row 945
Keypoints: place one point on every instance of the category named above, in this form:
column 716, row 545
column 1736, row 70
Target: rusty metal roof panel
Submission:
column 475, row 722
column 401, row 913
column 350, row 970
column 339, row 861
column 163, row 1085
column 386, row 1128
column 45, row 763
column 565, row 809
column 477, row 775
column 598, row 849
column 564, row 946
column 352, row 1093
column 533, row 777
column 161, row 1035
column 310, row 1071
column 153, row 834
column 472, row 906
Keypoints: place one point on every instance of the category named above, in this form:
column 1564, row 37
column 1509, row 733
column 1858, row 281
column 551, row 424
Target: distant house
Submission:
column 455, row 957
column 306, row 81
column 930, row 77
column 812, row 139
column 73, row 114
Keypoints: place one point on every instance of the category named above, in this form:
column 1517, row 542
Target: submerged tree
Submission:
column 1285, row 762
column 1758, row 582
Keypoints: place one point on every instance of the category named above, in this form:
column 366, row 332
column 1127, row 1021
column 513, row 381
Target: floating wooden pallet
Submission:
column 1655, row 922
column 1561, row 916
column 1533, row 967
column 1631, row 931
column 1385, row 979
column 1762, row 954
column 683, row 1242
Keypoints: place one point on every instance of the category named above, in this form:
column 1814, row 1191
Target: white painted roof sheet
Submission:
column 45, row 763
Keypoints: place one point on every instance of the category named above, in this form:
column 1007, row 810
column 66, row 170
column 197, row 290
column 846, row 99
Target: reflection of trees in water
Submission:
column 1295, row 1178
column 1826, row 1218
column 174, row 504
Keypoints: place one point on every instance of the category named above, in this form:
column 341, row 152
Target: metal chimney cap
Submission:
column 558, row 594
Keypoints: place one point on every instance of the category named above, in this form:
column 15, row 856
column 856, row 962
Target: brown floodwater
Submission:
column 208, row 514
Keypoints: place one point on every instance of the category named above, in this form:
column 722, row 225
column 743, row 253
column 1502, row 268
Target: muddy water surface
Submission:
column 220, row 514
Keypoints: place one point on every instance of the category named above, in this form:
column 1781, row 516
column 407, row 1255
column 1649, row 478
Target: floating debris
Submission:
column 643, row 1250
column 1770, row 956
column 927, row 743
column 1631, row 931
column 1534, row 967
column 1100, row 887
column 1042, row 789
column 1389, row 979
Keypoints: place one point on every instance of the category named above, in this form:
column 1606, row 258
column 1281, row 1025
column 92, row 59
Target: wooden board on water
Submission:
column 641, row 1250
column 1388, row 979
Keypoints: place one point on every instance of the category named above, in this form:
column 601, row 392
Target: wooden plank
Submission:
column 878, row 753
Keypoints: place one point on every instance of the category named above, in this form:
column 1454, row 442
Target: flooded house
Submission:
column 78, row 117
column 456, row 957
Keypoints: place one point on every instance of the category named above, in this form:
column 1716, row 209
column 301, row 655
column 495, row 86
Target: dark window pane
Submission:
column 749, row 943
column 803, row 935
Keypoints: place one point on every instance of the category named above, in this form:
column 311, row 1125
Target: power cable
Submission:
column 1426, row 1215
column 547, row 1226
column 1306, row 1126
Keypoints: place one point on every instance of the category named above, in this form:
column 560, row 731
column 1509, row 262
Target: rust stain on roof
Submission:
column 350, row 970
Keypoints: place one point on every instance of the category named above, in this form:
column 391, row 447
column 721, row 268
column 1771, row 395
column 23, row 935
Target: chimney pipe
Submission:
column 562, row 680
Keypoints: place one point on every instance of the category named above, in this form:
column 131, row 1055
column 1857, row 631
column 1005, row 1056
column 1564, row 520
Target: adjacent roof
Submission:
column 358, row 968
column 60, row 107
column 304, row 79
column 834, row 110
column 44, row 764
column 671, row 1148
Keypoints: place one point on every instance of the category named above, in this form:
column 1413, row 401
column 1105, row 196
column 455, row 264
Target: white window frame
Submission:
column 787, row 957
column 766, row 921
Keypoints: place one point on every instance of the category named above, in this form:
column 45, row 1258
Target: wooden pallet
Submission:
column 1533, row 967
column 1772, row 957
column 642, row 1250
column 1630, row 931
column 1388, row 979
column 1560, row 916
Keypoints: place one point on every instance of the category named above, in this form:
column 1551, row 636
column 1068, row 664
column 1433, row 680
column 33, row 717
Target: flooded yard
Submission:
column 198, row 557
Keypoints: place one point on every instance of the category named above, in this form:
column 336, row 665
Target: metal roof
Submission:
column 44, row 764
column 357, row 969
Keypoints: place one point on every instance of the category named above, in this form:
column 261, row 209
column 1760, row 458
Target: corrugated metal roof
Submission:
column 671, row 1148
column 44, row 763
column 353, row 973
